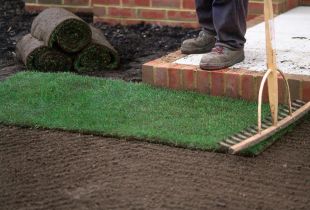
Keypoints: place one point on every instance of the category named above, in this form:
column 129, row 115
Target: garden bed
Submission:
column 135, row 43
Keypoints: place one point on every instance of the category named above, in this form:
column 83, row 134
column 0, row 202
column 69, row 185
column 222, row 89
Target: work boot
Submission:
column 202, row 44
column 221, row 57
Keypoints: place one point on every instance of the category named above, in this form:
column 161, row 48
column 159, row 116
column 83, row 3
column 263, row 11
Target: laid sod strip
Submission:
column 257, row 149
column 112, row 107
column 36, row 56
column 57, row 27
column 97, row 56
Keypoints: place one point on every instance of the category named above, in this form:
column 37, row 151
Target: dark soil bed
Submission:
column 136, row 44
column 41, row 169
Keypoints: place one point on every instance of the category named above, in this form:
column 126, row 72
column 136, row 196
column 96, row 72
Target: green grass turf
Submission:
column 113, row 107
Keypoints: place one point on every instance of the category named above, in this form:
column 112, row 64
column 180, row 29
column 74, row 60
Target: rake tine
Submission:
column 300, row 102
column 241, row 136
column 280, row 117
column 268, row 118
column 285, row 109
column 247, row 133
column 268, row 123
column 251, row 130
column 235, row 138
column 225, row 144
column 231, row 142
column 284, row 115
column 294, row 108
column 296, row 104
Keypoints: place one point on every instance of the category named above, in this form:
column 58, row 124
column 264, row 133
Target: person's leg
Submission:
column 206, row 39
column 229, row 19
column 205, row 16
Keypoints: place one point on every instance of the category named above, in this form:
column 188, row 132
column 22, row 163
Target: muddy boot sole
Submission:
column 207, row 66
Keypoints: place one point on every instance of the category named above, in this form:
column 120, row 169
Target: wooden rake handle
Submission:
column 271, row 61
column 272, row 73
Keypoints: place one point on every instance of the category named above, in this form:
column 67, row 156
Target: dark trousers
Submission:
column 224, row 18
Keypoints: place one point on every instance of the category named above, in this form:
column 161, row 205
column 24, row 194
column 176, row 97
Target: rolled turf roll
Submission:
column 57, row 27
column 36, row 56
column 99, row 55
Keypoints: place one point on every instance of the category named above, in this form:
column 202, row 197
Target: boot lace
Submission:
column 218, row 50
column 200, row 36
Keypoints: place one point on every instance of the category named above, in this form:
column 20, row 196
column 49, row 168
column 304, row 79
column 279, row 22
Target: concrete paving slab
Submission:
column 292, row 41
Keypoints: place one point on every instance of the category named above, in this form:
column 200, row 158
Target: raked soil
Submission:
column 42, row 169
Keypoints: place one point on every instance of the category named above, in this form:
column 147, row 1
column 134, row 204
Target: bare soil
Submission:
column 41, row 169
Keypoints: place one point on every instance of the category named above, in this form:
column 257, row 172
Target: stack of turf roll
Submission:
column 99, row 54
column 36, row 56
column 61, row 41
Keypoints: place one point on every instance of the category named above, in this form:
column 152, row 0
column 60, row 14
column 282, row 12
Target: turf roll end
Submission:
column 97, row 56
column 60, row 28
column 36, row 56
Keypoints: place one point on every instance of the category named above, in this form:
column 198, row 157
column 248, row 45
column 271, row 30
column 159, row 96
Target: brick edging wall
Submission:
column 241, row 83
column 162, row 12
column 304, row 2
column 165, row 12
column 72, row 5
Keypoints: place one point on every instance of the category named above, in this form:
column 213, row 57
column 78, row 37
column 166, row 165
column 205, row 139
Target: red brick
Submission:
column 35, row 8
column 121, row 12
column 168, row 23
column 161, row 75
column 188, row 78
column 306, row 91
column 99, row 11
column 265, row 95
column 175, row 79
column 295, row 87
column 181, row 15
column 151, row 14
column 248, row 87
column 204, row 81
column 257, row 78
column 166, row 3
column 112, row 21
column 258, row 19
column 256, row 7
column 49, row 2
column 218, row 83
column 148, row 74
column 292, row 3
column 282, row 91
column 232, row 85
column 189, row 4
column 77, row 2
column 107, row 2
column 184, row 10
column 130, row 22
column 305, row 2
column 136, row 3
